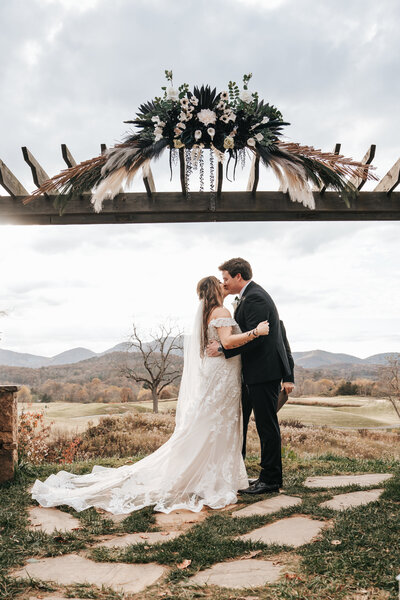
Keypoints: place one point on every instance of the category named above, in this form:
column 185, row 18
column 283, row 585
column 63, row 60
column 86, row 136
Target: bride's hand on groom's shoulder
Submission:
column 213, row 349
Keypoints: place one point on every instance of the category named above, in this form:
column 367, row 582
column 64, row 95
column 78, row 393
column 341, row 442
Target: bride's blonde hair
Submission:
column 209, row 290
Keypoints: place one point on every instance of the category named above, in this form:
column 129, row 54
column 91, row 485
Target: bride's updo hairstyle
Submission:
column 209, row 290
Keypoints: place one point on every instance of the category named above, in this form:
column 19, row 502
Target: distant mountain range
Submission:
column 308, row 360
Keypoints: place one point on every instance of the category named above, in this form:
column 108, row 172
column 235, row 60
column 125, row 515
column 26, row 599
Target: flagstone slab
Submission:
column 293, row 531
column 180, row 519
column 268, row 506
column 152, row 537
column 51, row 519
column 248, row 573
column 344, row 501
column 331, row 481
column 71, row 568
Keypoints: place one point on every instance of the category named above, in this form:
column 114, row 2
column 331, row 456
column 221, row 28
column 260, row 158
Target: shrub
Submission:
column 33, row 437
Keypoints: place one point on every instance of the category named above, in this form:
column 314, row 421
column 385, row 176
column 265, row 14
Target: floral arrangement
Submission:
column 224, row 122
column 228, row 124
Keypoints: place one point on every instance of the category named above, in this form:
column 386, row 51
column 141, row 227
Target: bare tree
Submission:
column 389, row 381
column 160, row 364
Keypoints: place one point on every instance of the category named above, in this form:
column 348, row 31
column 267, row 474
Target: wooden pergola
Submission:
column 150, row 206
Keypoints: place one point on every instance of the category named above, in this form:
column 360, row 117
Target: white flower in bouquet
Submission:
column 155, row 119
column 224, row 95
column 259, row 137
column 184, row 102
column 194, row 100
column 207, row 116
column 265, row 120
column 221, row 105
column 246, row 96
column 211, row 132
column 172, row 93
column 229, row 142
column 197, row 134
column 251, row 142
column 183, row 116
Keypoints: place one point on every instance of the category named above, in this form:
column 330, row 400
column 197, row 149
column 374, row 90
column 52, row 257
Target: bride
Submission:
column 201, row 464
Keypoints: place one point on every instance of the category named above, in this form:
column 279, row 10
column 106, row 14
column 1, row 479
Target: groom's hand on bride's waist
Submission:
column 214, row 349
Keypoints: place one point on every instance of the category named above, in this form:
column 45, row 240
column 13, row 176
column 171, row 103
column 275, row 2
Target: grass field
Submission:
column 341, row 411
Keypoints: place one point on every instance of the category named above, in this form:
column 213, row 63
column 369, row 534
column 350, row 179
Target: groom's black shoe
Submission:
column 261, row 488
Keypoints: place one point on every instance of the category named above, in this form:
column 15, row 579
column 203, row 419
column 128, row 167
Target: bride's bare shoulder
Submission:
column 220, row 312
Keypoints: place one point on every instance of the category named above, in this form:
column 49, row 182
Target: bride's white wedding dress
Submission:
column 200, row 465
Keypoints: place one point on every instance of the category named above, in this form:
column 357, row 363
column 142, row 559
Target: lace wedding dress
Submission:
column 200, row 465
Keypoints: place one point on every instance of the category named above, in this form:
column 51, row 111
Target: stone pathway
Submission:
column 151, row 537
column 51, row 519
column 246, row 573
column 332, row 481
column 70, row 568
column 180, row 520
column 293, row 531
column 243, row 573
column 344, row 501
column 268, row 506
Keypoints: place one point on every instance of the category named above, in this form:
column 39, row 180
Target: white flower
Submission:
column 161, row 124
column 232, row 116
column 207, row 116
column 259, row 137
column 183, row 116
column 224, row 95
column 221, row 105
column 211, row 132
column 265, row 120
column 229, row 142
column 246, row 96
column 181, row 126
column 184, row 101
column 197, row 134
column 194, row 100
column 172, row 93
column 155, row 119
column 251, row 142
column 158, row 135
column 158, row 131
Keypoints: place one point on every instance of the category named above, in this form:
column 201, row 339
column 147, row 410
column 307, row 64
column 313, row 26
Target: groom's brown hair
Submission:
column 237, row 265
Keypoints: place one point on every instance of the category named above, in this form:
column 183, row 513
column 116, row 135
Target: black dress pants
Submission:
column 262, row 398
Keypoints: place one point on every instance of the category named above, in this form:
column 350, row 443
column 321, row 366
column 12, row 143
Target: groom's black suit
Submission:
column 266, row 361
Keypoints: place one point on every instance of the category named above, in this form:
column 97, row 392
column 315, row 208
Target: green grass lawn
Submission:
column 367, row 556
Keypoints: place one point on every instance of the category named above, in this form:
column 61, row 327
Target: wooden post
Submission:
column 67, row 156
column 391, row 180
column 10, row 183
column 358, row 182
column 336, row 150
column 220, row 177
column 148, row 179
column 8, row 431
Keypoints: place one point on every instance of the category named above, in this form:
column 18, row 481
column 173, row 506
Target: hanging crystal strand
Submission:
column 188, row 170
column 211, row 171
column 201, row 174
column 242, row 155
column 174, row 156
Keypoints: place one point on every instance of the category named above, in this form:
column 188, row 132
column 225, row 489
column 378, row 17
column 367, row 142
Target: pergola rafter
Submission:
column 150, row 206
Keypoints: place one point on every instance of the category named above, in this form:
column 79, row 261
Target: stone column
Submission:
column 8, row 431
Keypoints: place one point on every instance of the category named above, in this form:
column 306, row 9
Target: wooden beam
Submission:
column 67, row 156
column 254, row 176
column 10, row 183
column 103, row 148
column 358, row 182
column 148, row 179
column 391, row 180
column 173, row 207
column 38, row 173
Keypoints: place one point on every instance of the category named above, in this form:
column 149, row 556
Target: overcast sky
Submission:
column 73, row 70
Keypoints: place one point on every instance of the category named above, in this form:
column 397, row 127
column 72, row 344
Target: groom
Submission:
column 266, row 369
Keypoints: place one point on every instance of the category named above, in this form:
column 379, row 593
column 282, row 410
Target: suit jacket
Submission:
column 267, row 357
